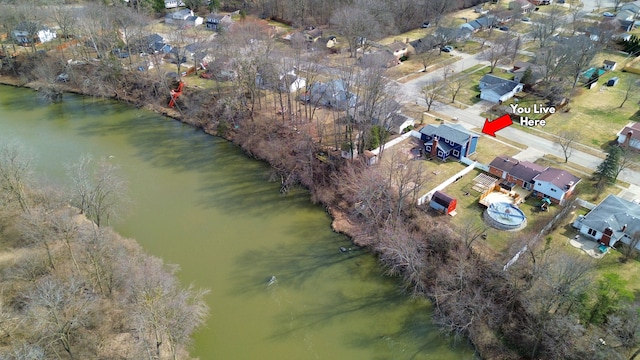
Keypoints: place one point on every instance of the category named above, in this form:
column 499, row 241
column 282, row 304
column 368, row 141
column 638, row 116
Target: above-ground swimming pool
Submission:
column 505, row 216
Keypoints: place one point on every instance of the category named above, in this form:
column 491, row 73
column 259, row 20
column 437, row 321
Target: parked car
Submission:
column 525, row 19
column 608, row 14
column 446, row 49
column 504, row 28
column 425, row 25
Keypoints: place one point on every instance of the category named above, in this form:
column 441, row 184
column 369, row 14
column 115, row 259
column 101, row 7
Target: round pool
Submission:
column 505, row 216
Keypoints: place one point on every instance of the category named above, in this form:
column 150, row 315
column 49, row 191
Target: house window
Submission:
column 440, row 153
column 456, row 153
column 428, row 147
column 592, row 232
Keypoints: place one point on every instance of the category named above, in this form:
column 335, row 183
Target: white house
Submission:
column 25, row 32
column 634, row 7
column 399, row 122
column 630, row 136
column 498, row 90
column 555, row 184
column 170, row 4
column 609, row 65
column 614, row 219
column 292, row 82
column 178, row 16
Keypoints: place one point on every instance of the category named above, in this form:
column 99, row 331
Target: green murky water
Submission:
column 197, row 201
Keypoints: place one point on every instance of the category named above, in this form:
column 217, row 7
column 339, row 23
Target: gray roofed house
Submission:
column 424, row 44
column 497, row 90
column 448, row 140
column 614, row 219
column 634, row 7
column 399, row 122
column 215, row 21
column 331, row 94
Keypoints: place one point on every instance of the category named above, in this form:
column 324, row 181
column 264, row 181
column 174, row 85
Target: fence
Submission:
column 426, row 197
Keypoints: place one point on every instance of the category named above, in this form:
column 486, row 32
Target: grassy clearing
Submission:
column 488, row 148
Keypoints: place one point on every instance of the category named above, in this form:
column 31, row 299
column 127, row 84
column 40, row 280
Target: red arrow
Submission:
column 500, row 123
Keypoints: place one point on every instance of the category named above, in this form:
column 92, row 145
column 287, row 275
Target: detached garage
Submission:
column 444, row 203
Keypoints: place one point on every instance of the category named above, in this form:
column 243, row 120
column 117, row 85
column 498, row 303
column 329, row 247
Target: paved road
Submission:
column 470, row 118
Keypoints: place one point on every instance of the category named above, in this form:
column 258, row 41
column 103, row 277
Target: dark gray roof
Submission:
column 399, row 119
column 498, row 85
column 614, row 212
column 452, row 132
column 557, row 177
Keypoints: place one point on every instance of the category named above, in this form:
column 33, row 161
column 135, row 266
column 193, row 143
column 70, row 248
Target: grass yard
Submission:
column 559, row 244
column 488, row 148
column 468, row 209
column 596, row 113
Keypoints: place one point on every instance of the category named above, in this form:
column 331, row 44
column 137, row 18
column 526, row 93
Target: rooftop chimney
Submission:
column 434, row 147
column 627, row 139
column 624, row 227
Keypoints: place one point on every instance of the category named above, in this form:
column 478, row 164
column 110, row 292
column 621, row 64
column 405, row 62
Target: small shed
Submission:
column 613, row 81
column 443, row 202
column 609, row 65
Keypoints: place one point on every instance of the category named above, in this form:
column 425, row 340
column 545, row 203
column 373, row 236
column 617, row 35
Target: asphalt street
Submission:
column 470, row 118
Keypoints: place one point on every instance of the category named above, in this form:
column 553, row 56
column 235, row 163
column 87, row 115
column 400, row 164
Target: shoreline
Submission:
column 340, row 222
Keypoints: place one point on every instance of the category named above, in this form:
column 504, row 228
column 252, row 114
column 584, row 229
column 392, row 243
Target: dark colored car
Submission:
column 446, row 49
column 425, row 25
column 504, row 28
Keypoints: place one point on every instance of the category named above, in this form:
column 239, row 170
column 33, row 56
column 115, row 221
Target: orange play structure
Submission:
column 175, row 94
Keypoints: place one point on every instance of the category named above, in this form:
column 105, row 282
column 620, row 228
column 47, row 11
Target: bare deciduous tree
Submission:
column 567, row 140
column 15, row 174
column 98, row 189
column 431, row 91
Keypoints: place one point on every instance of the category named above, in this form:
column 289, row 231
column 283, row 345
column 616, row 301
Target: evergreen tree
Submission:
column 527, row 77
column 607, row 171
column 214, row 5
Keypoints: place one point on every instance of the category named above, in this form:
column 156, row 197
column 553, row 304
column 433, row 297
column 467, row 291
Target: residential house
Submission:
column 332, row 94
column 634, row 7
column 291, row 82
column 521, row 67
column 614, row 219
column 545, row 182
column 26, row 32
column 630, row 136
column 631, row 6
column 424, row 44
column 498, row 90
column 399, row 122
column 514, row 171
column 626, row 15
column 524, row 6
column 481, row 23
column 145, row 43
column 555, row 184
column 609, row 65
column 312, row 34
column 540, row 2
column 171, row 4
column 217, row 22
column 448, row 140
column 379, row 58
column 177, row 17
column 400, row 49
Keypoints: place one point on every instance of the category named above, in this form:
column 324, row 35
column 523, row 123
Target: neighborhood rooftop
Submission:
column 453, row 132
